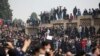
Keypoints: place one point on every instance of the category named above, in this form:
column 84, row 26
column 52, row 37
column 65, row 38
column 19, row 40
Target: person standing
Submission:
column 41, row 16
column 85, row 12
column 51, row 14
column 71, row 17
column 83, row 44
column 99, row 5
column 64, row 13
column 92, row 31
column 86, row 32
column 54, row 13
column 75, row 11
column 89, row 42
column 63, row 45
column 59, row 12
column 80, row 31
column 90, row 12
column 98, row 32
column 78, row 12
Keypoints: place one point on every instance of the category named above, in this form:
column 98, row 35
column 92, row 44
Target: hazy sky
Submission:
column 23, row 8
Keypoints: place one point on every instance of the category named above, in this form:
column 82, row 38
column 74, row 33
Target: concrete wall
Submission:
column 81, row 20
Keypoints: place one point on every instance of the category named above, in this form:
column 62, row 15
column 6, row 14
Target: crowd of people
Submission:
column 72, row 41
column 54, row 14
column 17, row 43
column 61, row 13
column 75, row 39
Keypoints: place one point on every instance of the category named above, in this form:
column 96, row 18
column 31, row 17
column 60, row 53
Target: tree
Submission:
column 18, row 22
column 34, row 16
column 5, row 11
column 33, row 19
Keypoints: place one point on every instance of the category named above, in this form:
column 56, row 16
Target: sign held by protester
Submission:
column 49, row 37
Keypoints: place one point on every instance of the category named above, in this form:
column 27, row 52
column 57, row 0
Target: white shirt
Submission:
column 80, row 29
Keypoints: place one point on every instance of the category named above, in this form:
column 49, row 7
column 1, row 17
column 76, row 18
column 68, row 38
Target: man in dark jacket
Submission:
column 92, row 31
column 63, row 46
column 64, row 13
column 2, row 52
column 99, row 5
column 98, row 32
column 75, row 11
